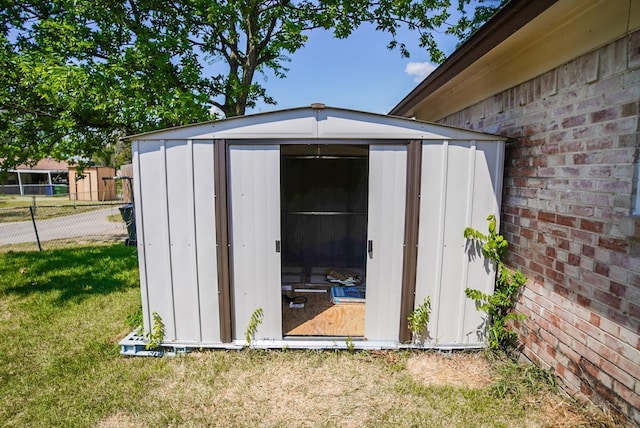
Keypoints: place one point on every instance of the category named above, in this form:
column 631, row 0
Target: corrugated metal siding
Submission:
column 153, row 204
column 254, row 182
column 458, row 189
column 387, row 197
column 175, row 208
column 179, row 167
column 205, row 234
column 140, row 235
column 487, row 191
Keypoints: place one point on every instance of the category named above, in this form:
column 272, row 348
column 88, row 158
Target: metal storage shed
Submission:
column 251, row 212
column 93, row 185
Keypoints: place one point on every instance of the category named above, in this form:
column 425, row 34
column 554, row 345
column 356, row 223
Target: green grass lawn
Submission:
column 16, row 208
column 62, row 313
column 12, row 201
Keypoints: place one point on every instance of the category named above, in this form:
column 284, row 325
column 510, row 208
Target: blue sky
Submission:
column 357, row 73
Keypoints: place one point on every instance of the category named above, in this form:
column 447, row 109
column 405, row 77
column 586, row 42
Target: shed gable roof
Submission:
column 315, row 123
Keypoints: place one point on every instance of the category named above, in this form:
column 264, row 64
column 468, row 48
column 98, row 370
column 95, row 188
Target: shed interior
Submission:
column 324, row 201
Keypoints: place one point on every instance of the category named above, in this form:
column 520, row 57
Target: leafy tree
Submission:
column 78, row 74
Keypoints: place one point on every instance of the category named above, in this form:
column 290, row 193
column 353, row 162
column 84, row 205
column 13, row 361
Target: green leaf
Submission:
column 78, row 75
column 499, row 305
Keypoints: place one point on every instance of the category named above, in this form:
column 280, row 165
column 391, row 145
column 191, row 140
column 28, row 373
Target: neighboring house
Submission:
column 562, row 79
column 50, row 177
column 47, row 177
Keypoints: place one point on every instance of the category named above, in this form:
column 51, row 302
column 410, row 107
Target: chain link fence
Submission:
column 39, row 227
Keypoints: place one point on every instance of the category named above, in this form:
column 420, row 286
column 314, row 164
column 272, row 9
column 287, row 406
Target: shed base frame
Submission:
column 133, row 345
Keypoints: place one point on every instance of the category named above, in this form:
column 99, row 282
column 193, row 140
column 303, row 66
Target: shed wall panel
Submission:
column 387, row 204
column 452, row 298
column 180, row 207
column 254, row 183
column 486, row 200
column 153, row 202
column 205, row 229
column 140, row 236
column 431, row 229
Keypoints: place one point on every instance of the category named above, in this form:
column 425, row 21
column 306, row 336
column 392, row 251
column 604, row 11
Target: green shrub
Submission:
column 499, row 305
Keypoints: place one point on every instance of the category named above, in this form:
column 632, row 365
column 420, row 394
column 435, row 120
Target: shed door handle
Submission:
column 278, row 246
column 370, row 248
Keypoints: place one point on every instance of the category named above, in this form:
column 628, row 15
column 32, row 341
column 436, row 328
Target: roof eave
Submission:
column 509, row 19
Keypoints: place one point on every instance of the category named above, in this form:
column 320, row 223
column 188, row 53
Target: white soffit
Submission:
column 309, row 123
column 565, row 31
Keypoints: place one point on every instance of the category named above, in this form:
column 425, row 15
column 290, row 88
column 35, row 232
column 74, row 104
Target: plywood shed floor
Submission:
column 318, row 317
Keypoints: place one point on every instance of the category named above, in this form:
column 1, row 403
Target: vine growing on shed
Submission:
column 252, row 327
column 499, row 305
column 156, row 335
column 418, row 320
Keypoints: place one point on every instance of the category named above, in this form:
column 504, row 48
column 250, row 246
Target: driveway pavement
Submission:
column 87, row 224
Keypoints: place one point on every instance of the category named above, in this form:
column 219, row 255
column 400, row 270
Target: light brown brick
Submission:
column 613, row 244
column 627, row 394
column 588, row 71
column 634, row 52
column 591, row 226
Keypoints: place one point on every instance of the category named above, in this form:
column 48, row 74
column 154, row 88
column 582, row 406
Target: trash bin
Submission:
column 128, row 215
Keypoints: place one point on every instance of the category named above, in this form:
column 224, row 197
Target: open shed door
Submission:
column 385, row 235
column 254, row 189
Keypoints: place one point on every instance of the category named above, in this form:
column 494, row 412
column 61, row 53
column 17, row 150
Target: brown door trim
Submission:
column 222, row 238
column 412, row 217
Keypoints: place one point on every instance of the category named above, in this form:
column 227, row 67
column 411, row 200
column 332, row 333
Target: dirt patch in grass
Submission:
column 297, row 388
column 560, row 412
column 118, row 420
column 462, row 370
column 115, row 340
column 310, row 389
column 4, row 311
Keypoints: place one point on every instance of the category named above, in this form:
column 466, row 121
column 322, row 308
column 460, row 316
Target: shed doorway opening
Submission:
column 324, row 214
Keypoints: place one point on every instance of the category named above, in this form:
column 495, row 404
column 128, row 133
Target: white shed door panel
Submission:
column 385, row 231
column 254, row 188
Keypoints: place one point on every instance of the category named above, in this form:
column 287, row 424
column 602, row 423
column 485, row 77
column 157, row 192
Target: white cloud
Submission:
column 219, row 114
column 419, row 69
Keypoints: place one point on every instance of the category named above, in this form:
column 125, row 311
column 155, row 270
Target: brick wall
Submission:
column 568, row 194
